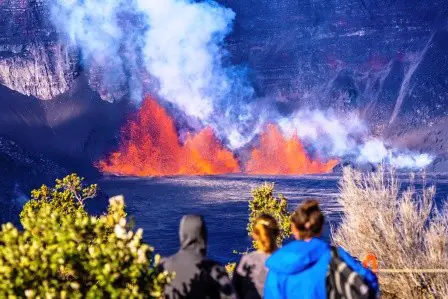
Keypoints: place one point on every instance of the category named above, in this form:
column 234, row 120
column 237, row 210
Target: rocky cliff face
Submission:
column 386, row 59
column 40, row 69
column 76, row 127
column 72, row 122
column 32, row 61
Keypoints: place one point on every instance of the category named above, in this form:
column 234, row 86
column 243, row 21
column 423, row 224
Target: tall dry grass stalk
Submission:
column 403, row 229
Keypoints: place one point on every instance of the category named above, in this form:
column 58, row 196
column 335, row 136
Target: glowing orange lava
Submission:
column 277, row 154
column 150, row 147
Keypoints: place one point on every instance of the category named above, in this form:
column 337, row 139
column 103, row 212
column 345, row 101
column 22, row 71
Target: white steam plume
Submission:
column 375, row 151
column 332, row 136
column 177, row 42
column 173, row 48
column 93, row 27
column 181, row 49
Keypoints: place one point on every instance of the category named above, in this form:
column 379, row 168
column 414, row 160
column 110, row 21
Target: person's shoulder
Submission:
column 290, row 247
column 298, row 255
column 168, row 262
column 209, row 264
column 253, row 255
column 345, row 256
column 299, row 247
column 215, row 269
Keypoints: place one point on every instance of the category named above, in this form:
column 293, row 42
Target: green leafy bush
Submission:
column 230, row 268
column 63, row 252
column 264, row 201
column 67, row 197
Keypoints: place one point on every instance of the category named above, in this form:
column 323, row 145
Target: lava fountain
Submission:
column 150, row 147
column 278, row 155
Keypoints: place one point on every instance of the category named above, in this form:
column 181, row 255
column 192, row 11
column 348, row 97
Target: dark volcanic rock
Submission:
column 381, row 57
column 15, row 160
column 431, row 137
column 387, row 59
column 84, row 126
column 367, row 167
column 32, row 61
column 22, row 171
column 40, row 70
column 75, row 128
column 345, row 54
column 23, row 120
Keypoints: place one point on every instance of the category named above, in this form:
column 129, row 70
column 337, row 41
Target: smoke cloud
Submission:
column 348, row 137
column 182, row 49
column 173, row 48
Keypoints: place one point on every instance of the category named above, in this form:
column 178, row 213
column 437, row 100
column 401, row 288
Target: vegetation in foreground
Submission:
column 264, row 202
column 404, row 230
column 64, row 253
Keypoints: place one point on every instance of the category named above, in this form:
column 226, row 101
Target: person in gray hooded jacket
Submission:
column 196, row 276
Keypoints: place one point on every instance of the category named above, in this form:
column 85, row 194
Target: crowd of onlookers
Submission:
column 307, row 267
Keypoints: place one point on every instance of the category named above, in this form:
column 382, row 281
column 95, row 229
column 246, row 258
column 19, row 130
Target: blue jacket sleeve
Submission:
column 365, row 273
column 274, row 286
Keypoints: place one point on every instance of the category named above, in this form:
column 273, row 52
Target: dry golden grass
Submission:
column 404, row 230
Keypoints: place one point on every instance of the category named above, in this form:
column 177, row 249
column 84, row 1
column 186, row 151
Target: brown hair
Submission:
column 308, row 219
column 265, row 233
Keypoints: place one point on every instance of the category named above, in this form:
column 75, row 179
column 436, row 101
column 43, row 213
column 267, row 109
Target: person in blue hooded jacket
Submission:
column 299, row 269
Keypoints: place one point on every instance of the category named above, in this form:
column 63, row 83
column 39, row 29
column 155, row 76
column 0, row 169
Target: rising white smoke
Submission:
column 93, row 27
column 375, row 151
column 182, row 49
column 348, row 136
column 173, row 48
column 177, row 43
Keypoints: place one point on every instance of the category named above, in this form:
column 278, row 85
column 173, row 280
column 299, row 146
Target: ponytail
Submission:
column 265, row 233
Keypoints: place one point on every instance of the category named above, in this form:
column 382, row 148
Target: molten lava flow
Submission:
column 279, row 155
column 150, row 147
column 206, row 155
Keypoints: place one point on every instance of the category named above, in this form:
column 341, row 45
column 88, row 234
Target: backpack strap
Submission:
column 332, row 292
column 334, row 252
column 344, row 282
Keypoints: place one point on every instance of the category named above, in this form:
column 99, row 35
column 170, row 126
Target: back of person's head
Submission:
column 265, row 233
column 308, row 220
column 193, row 233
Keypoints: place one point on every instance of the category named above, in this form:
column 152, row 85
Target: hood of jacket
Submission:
column 297, row 256
column 193, row 234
